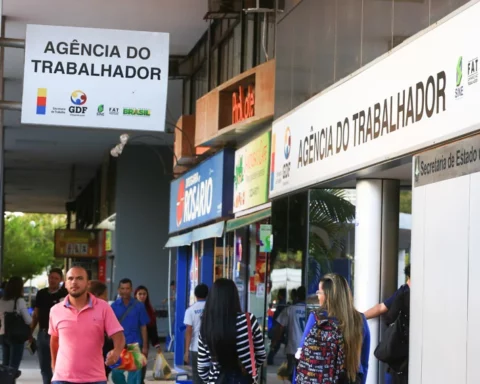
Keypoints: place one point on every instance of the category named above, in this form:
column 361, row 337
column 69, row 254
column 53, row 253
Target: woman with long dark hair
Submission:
column 142, row 295
column 336, row 341
column 228, row 339
column 11, row 301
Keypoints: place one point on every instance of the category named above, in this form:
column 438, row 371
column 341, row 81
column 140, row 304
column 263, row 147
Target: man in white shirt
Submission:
column 193, row 319
column 293, row 318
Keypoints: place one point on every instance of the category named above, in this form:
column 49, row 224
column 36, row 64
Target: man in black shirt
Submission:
column 46, row 299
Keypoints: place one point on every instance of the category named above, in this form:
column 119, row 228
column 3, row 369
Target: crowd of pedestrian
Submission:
column 82, row 338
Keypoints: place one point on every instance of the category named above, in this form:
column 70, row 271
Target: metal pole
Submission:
column 2, row 148
column 169, row 293
column 6, row 42
column 10, row 105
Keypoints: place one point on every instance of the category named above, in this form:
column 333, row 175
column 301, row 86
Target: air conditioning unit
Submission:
column 221, row 9
column 260, row 6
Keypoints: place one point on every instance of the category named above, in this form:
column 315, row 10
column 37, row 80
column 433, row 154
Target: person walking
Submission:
column 77, row 327
column 281, row 305
column 230, row 345
column 193, row 321
column 293, row 320
column 46, row 298
column 134, row 319
column 142, row 295
column 336, row 342
column 382, row 309
column 13, row 301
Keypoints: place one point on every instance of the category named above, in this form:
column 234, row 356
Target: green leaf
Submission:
column 29, row 244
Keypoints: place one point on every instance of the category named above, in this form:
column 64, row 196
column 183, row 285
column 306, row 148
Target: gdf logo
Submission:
column 287, row 145
column 287, row 149
column 180, row 202
column 78, row 99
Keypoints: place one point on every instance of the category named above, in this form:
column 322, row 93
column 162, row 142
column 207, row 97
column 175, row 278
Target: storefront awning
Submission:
column 208, row 232
column 248, row 219
column 179, row 241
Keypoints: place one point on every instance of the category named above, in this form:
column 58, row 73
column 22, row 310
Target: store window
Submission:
column 233, row 46
column 290, row 238
column 194, row 270
column 249, row 42
column 331, row 237
column 240, row 264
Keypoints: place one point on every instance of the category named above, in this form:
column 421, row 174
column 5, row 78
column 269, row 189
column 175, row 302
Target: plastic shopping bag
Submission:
column 161, row 369
column 282, row 372
column 131, row 359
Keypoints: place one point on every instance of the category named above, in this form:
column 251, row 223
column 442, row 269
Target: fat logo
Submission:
column 472, row 69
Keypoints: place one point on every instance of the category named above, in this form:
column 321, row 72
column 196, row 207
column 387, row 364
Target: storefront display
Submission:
column 200, row 200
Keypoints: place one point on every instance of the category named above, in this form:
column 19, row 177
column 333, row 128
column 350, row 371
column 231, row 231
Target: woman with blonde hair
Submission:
column 336, row 342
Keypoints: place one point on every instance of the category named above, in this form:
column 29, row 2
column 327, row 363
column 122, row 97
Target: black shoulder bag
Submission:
column 394, row 344
column 16, row 330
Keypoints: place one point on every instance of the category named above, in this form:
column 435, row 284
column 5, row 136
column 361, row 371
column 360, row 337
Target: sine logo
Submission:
column 458, row 79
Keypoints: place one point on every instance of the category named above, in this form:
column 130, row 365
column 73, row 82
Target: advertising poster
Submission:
column 250, row 186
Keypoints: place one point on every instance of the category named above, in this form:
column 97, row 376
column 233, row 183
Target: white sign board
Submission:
column 97, row 78
column 424, row 93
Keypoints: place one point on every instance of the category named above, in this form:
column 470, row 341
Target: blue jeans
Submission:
column 12, row 354
column 68, row 382
column 134, row 377
column 44, row 357
column 388, row 378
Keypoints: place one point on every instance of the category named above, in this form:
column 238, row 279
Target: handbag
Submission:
column 7, row 374
column 16, row 330
column 394, row 344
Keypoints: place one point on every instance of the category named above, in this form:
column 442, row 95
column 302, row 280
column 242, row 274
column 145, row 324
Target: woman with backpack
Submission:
column 336, row 342
column 230, row 345
column 14, row 304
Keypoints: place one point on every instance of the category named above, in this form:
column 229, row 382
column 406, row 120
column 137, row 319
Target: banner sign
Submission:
column 250, row 185
column 450, row 161
column 97, row 78
column 411, row 99
column 80, row 243
column 202, row 194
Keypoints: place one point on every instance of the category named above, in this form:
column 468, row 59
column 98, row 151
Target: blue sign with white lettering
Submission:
column 203, row 194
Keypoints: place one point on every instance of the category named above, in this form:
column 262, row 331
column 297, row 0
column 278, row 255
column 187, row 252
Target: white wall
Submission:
column 445, row 305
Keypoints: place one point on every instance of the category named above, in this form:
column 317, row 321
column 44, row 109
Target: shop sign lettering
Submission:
column 243, row 105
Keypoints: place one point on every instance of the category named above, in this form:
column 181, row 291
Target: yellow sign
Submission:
column 75, row 243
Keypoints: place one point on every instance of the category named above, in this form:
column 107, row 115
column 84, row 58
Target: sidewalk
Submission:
column 31, row 371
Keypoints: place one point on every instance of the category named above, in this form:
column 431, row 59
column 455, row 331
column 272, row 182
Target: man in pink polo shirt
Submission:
column 77, row 328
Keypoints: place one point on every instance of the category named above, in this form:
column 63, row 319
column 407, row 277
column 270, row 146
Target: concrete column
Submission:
column 376, row 253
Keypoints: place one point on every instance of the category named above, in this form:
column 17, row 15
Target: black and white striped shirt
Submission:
column 209, row 371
